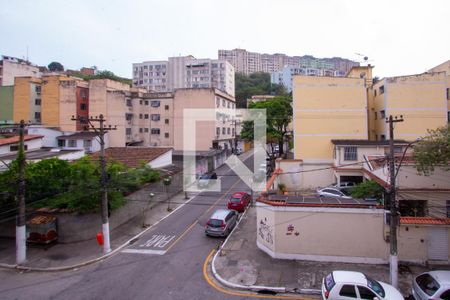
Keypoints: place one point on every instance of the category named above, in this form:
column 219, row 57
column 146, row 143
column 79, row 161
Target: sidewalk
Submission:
column 242, row 264
column 71, row 255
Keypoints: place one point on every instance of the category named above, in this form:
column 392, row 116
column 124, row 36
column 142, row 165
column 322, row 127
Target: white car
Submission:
column 332, row 192
column 342, row 285
column 432, row 285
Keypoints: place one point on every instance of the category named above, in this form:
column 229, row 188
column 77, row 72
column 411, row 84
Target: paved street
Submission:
column 165, row 263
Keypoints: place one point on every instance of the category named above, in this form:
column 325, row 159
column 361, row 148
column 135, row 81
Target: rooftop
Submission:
column 78, row 135
column 133, row 156
column 366, row 142
column 15, row 139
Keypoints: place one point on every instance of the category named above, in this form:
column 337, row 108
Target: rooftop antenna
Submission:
column 365, row 58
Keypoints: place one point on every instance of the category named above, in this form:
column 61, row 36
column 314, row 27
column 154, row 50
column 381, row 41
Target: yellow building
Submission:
column 327, row 108
column 421, row 99
column 27, row 99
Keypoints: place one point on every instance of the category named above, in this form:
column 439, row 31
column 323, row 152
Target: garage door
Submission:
column 438, row 244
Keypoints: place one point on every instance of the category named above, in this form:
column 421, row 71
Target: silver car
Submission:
column 221, row 222
column 432, row 285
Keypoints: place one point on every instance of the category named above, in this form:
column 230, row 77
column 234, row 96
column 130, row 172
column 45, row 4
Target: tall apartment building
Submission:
column 247, row 62
column 11, row 67
column 140, row 118
column 184, row 72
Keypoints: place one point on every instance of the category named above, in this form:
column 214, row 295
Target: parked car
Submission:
column 239, row 201
column 356, row 285
column 205, row 179
column 345, row 184
column 332, row 192
column 432, row 285
column 221, row 222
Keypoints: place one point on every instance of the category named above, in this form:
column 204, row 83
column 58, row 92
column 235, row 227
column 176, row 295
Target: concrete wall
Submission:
column 162, row 160
column 31, row 145
column 79, row 227
column 299, row 177
column 322, row 234
column 14, row 69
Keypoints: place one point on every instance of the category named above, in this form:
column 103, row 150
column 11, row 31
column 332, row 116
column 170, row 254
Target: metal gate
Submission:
column 438, row 243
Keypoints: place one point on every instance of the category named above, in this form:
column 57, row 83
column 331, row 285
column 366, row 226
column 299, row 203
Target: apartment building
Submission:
column 421, row 99
column 184, row 72
column 11, row 67
column 247, row 62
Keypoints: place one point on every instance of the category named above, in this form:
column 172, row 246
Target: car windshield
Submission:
column 329, row 282
column 234, row 199
column 427, row 284
column 375, row 286
column 215, row 223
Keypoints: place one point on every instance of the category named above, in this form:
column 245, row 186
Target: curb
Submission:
column 255, row 288
column 240, row 286
column 105, row 256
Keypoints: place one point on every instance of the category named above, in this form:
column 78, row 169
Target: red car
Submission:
column 239, row 201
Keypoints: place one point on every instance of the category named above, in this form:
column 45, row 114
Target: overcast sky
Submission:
column 399, row 37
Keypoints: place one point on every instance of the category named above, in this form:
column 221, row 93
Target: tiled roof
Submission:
column 15, row 139
column 133, row 156
column 424, row 221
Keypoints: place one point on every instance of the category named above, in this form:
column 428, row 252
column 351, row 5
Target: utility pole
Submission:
column 21, row 242
column 393, row 257
column 100, row 132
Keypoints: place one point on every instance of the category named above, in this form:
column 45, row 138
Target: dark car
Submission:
column 239, row 201
column 205, row 179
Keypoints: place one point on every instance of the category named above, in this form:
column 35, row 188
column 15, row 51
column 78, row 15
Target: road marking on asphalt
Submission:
column 143, row 251
column 240, row 294
column 159, row 241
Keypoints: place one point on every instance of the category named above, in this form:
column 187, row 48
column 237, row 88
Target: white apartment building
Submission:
column 184, row 72
column 284, row 77
column 11, row 67
column 247, row 62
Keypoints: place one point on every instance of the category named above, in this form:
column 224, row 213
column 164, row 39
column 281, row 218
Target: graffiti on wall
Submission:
column 291, row 230
column 265, row 231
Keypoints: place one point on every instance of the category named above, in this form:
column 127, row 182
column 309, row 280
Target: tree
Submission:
column 279, row 115
column 254, row 84
column 367, row 189
column 55, row 67
column 433, row 151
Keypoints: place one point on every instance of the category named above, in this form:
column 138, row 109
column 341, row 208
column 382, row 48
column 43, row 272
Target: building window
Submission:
column 166, row 135
column 448, row 93
column 448, row 208
column 146, row 116
column 128, row 131
column 83, row 106
column 382, row 137
column 223, row 102
column 233, row 132
column 145, row 129
column 223, row 130
column 350, row 153
column 166, row 121
column 87, row 143
column 83, row 94
column 155, row 117
column 375, row 93
column 166, row 107
column 376, row 115
column 72, row 143
column 141, row 130
column 382, row 89
column 228, row 130
column 61, row 143
column 155, row 103
column 412, row 208
column 217, row 130
column 140, row 102
column 37, row 116
column 155, row 131
column 37, row 101
column 129, row 102
column 16, row 147
column 37, row 89
column 382, row 114
column 128, row 117
column 146, row 102
column 140, row 116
